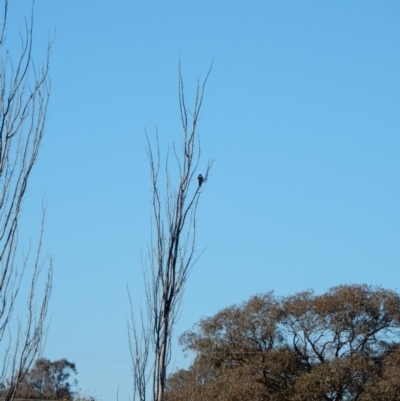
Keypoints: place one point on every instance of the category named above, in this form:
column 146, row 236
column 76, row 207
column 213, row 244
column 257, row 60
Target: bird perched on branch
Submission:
column 201, row 179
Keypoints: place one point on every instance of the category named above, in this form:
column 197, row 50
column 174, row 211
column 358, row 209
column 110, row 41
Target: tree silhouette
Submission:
column 171, row 254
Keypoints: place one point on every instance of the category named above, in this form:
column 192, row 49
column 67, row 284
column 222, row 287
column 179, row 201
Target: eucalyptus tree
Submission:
column 343, row 345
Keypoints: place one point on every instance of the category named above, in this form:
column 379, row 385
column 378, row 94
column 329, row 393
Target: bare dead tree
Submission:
column 172, row 250
column 139, row 346
column 24, row 97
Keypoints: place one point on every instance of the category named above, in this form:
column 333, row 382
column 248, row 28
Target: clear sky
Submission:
column 301, row 114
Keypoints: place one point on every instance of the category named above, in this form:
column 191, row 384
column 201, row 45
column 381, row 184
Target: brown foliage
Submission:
column 47, row 381
column 342, row 345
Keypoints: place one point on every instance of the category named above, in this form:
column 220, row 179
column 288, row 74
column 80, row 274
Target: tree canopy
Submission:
column 48, row 380
column 341, row 345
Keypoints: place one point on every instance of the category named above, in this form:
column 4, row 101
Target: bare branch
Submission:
column 24, row 97
column 172, row 250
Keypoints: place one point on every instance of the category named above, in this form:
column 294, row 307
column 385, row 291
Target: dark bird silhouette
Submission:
column 201, row 179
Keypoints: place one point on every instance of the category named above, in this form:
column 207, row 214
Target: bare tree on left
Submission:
column 25, row 276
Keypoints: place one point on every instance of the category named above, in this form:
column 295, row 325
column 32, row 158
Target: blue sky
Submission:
column 301, row 114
